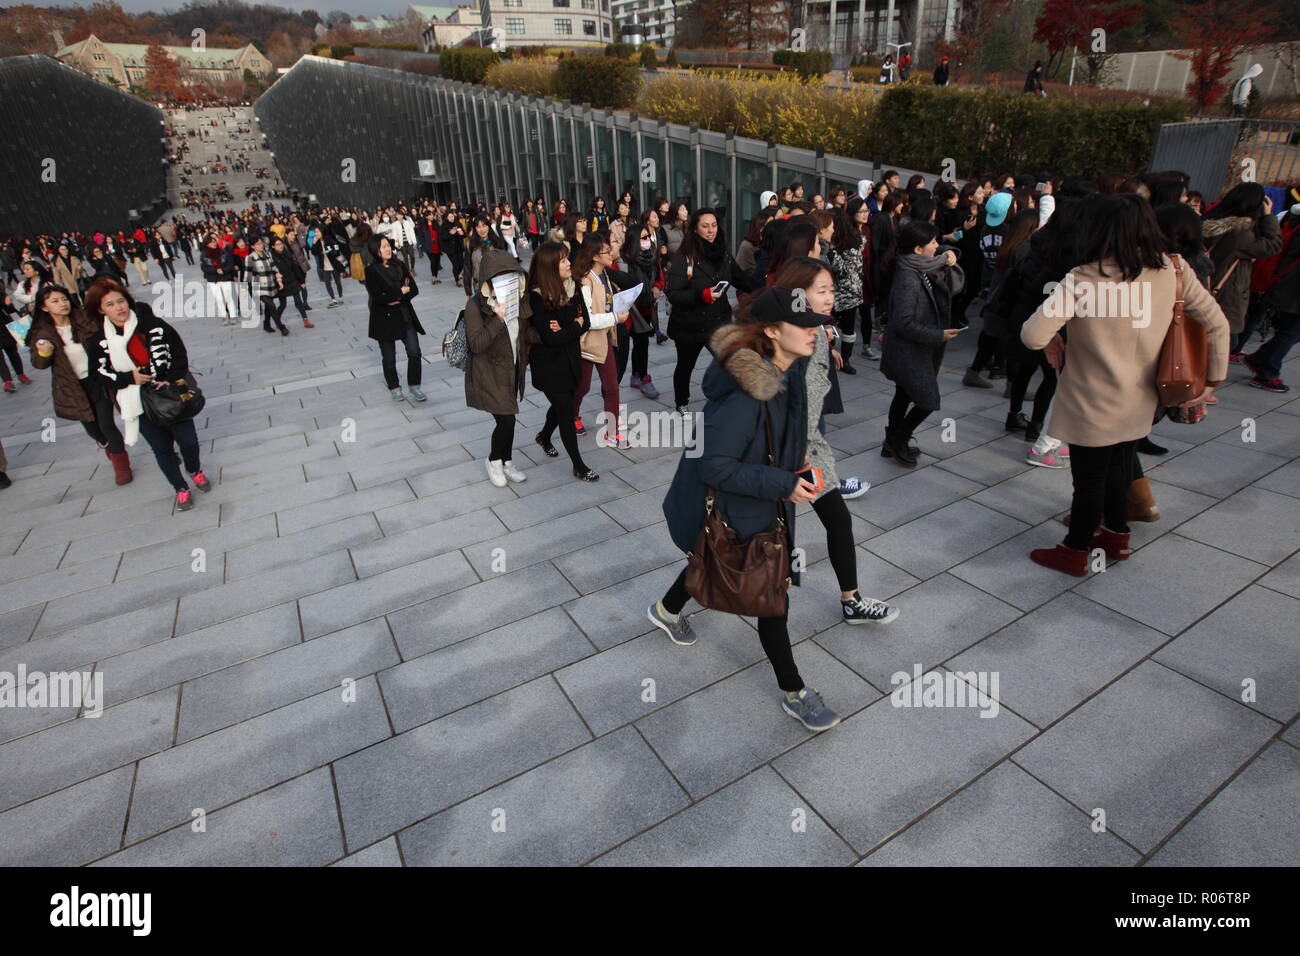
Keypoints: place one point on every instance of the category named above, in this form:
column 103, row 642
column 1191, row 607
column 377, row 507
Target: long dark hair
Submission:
column 39, row 310
column 1243, row 199
column 918, row 232
column 1181, row 227
column 493, row 239
column 799, row 241
column 1122, row 227
column 544, row 274
column 692, row 245
column 1022, row 227
column 799, row 273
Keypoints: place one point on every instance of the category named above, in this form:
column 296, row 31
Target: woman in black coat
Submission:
column 699, row 307
column 917, row 333
column 392, row 319
column 559, row 318
column 757, row 376
column 292, row 276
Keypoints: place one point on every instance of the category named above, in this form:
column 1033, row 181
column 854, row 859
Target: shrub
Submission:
column 525, row 52
column 992, row 128
column 777, row 106
column 807, row 63
column 671, row 62
column 864, row 74
column 467, row 64
column 531, row 77
column 340, row 50
column 602, row 81
column 648, row 59
column 622, row 51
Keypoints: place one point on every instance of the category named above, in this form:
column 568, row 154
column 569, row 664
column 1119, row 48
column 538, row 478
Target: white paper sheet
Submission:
column 506, row 290
column 623, row 301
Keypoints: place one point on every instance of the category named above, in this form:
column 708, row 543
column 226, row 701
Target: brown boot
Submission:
column 1141, row 502
column 307, row 324
column 1112, row 542
column 121, row 467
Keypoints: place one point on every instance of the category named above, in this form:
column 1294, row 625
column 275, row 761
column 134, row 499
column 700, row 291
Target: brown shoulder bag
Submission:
column 749, row 579
column 1184, row 358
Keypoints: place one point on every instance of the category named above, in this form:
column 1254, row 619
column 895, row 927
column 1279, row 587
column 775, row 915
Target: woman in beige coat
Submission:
column 1115, row 311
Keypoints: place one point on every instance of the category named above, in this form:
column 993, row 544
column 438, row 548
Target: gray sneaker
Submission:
column 397, row 394
column 416, row 394
column 680, row 630
column 809, row 709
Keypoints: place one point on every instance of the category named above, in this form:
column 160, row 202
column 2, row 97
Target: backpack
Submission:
column 1264, row 274
column 455, row 349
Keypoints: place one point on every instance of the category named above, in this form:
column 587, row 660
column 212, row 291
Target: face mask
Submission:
column 385, row 219
column 645, row 245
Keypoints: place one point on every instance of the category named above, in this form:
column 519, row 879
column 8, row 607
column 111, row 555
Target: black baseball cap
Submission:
column 785, row 305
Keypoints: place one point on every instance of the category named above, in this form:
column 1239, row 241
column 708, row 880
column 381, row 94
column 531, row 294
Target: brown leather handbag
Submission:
column 1184, row 359
column 750, row 579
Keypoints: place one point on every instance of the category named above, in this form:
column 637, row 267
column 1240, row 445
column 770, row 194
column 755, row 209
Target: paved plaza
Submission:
column 385, row 660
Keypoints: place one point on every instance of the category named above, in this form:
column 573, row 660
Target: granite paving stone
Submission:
column 224, row 766
column 1147, row 750
column 70, row 827
column 561, row 813
column 417, row 773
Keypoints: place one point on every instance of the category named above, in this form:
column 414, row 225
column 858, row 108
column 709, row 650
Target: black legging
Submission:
column 847, row 320
column 773, row 632
column 272, row 309
column 503, row 437
column 1101, row 476
column 837, row 520
column 1024, row 371
column 561, row 415
column 988, row 352
column 435, row 262
column 901, row 420
column 688, row 353
column 168, row 270
column 8, row 347
column 103, row 429
column 332, row 281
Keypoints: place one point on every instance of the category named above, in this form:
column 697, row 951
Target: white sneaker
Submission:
column 513, row 473
column 496, row 473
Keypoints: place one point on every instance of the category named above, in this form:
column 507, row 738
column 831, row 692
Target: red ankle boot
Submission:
column 121, row 467
column 1112, row 542
column 1062, row 558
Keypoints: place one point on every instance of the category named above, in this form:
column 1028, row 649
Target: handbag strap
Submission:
column 1226, row 276
column 1178, row 288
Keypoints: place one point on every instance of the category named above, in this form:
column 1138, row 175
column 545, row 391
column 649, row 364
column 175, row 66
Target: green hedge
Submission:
column 524, row 52
column 921, row 126
column 648, row 59
column 339, row 50
column 623, row 51
column 467, row 64
column 671, row 62
column 807, row 63
column 602, row 81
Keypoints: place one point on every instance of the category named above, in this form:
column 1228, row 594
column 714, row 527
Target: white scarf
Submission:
column 129, row 402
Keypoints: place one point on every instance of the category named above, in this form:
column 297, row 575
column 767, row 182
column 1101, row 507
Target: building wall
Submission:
column 657, row 18
column 543, row 22
column 102, row 147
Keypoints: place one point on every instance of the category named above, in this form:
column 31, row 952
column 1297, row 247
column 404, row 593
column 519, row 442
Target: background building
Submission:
column 867, row 26
column 658, row 18
column 567, row 23
column 125, row 62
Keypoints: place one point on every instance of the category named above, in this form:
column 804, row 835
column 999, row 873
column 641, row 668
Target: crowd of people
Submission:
column 872, row 272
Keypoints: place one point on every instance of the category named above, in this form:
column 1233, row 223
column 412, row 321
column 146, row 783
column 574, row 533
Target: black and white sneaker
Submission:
column 860, row 610
column 853, row 487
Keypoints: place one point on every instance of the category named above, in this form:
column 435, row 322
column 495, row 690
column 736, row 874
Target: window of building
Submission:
column 515, row 26
column 560, row 3
column 589, row 4
column 563, row 27
column 589, row 27
column 606, row 31
column 513, row 3
column 604, row 5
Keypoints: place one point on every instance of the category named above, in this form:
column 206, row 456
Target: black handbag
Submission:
column 171, row 404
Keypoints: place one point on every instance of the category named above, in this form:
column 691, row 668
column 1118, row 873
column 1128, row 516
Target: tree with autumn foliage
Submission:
column 974, row 23
column 1068, row 25
column 1213, row 34
column 750, row 24
column 162, row 74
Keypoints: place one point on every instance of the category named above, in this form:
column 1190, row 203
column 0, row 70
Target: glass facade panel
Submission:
column 716, row 192
column 651, row 149
column 627, row 170
column 752, row 179
column 605, row 160
column 683, row 184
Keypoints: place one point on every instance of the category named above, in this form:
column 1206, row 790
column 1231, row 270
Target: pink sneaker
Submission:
column 201, row 481
column 1048, row 459
column 184, row 501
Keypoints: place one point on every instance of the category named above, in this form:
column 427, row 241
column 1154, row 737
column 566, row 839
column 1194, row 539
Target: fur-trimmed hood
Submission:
column 744, row 369
column 1214, row 228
